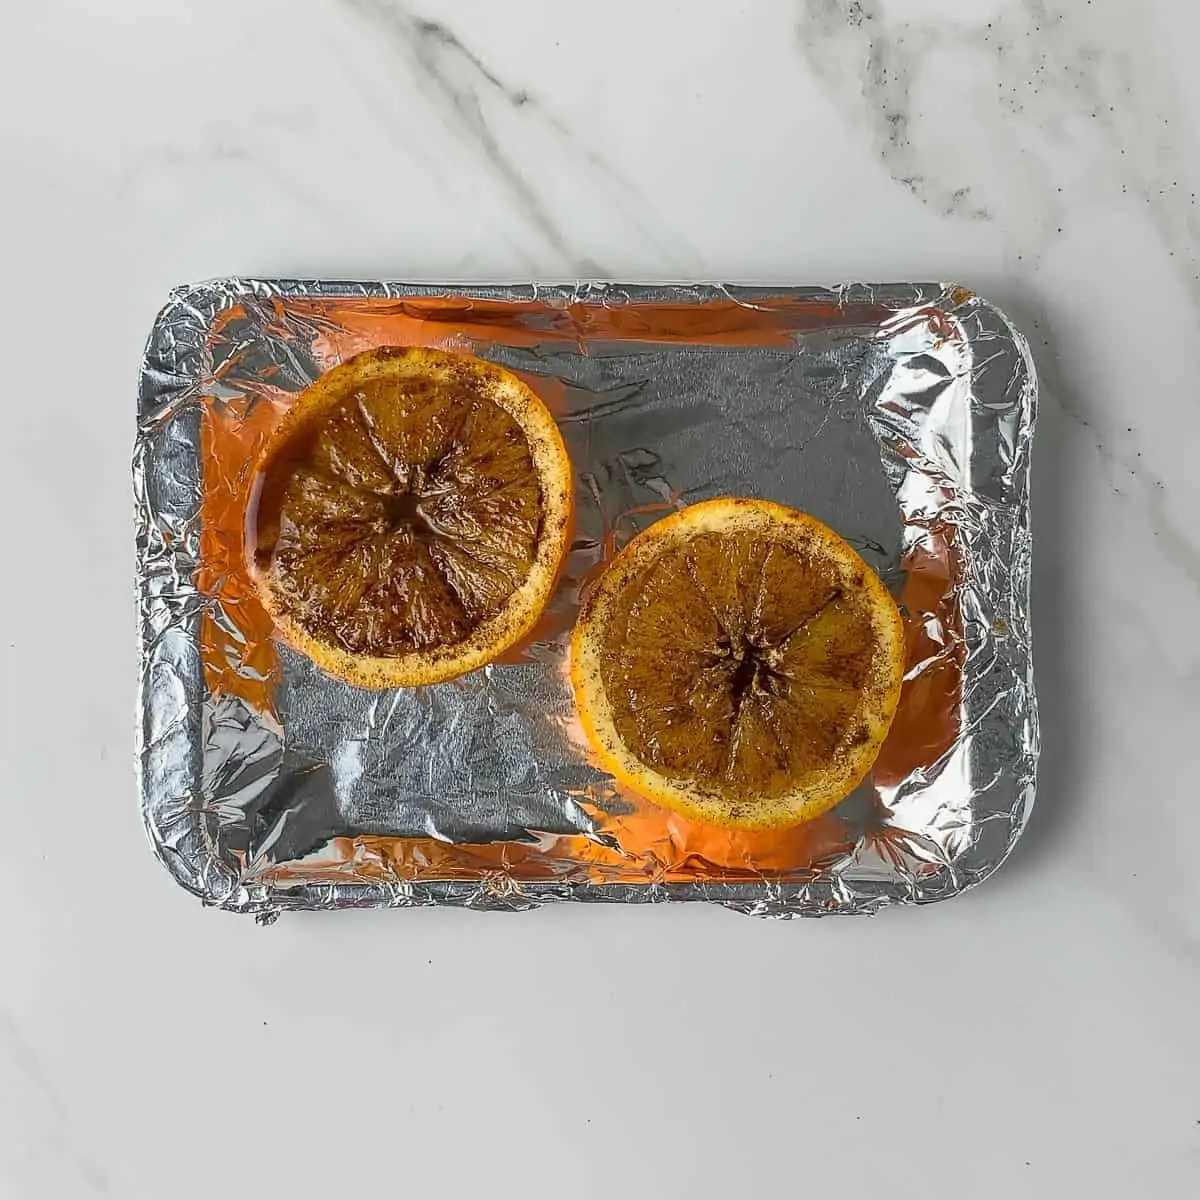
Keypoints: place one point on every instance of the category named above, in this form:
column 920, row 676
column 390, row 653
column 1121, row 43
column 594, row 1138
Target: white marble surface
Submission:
column 1035, row 1038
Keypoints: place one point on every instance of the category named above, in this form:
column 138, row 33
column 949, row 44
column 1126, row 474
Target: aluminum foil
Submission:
column 901, row 415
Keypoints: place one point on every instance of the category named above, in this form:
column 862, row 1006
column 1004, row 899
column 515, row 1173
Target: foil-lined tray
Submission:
column 901, row 415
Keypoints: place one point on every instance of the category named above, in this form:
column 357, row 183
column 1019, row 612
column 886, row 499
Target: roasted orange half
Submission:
column 738, row 663
column 410, row 516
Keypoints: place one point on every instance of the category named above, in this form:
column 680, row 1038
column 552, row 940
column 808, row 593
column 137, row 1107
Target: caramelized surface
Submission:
column 401, row 518
column 740, row 661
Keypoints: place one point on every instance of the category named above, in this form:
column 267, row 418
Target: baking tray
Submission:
column 900, row 414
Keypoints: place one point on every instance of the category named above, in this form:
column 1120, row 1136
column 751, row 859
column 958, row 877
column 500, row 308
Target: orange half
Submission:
column 410, row 517
column 738, row 663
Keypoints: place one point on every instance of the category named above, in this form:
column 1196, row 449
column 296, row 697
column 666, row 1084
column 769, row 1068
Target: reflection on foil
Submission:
column 901, row 415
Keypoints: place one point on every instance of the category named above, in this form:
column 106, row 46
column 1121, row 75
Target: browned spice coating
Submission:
column 401, row 519
column 741, row 660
